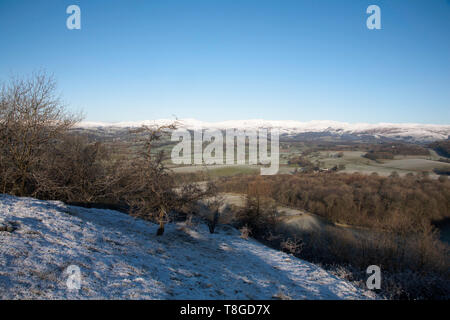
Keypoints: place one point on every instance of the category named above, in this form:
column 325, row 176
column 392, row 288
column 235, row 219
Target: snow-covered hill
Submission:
column 400, row 131
column 120, row 257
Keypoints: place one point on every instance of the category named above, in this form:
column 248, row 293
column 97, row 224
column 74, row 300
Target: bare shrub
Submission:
column 293, row 246
column 280, row 295
column 189, row 222
column 245, row 232
column 74, row 170
column 214, row 205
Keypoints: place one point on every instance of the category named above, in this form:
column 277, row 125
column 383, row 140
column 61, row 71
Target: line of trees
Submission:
column 357, row 199
column 441, row 147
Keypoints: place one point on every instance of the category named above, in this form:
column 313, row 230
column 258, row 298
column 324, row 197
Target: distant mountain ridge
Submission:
column 397, row 131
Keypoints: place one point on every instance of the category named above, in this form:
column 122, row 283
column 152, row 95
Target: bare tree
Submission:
column 32, row 116
column 149, row 186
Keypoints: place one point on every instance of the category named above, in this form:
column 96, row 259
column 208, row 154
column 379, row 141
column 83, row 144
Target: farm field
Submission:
column 353, row 161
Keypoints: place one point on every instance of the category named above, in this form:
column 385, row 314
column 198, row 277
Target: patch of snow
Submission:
column 120, row 257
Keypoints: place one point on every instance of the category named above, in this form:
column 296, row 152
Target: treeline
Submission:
column 390, row 150
column 395, row 148
column 441, row 147
column 300, row 161
column 356, row 199
column 41, row 157
column 442, row 172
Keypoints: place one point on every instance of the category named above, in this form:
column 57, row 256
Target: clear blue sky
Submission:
column 237, row 59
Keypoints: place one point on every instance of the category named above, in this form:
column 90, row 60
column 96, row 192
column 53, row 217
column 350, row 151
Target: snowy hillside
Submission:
column 401, row 131
column 120, row 257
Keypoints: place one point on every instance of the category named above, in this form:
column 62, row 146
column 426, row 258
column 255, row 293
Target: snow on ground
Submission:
column 121, row 258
